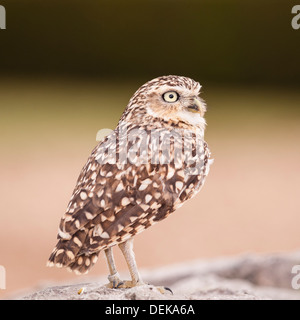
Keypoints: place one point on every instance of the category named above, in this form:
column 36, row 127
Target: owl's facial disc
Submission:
column 176, row 104
column 193, row 104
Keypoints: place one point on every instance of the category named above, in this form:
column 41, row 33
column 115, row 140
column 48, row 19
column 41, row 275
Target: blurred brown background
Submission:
column 68, row 69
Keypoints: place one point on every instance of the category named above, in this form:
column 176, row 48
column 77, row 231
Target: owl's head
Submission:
column 171, row 99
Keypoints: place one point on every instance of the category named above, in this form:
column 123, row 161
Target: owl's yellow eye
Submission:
column 171, row 96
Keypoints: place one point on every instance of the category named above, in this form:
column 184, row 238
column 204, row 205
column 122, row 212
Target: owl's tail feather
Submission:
column 83, row 263
column 68, row 253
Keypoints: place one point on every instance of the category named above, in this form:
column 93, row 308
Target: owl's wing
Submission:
column 110, row 194
column 114, row 201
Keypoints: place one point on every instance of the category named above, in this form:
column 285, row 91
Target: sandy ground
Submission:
column 250, row 202
column 247, row 277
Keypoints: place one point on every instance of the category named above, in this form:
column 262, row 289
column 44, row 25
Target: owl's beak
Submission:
column 197, row 106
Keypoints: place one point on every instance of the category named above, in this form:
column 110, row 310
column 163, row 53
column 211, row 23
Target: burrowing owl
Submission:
column 153, row 162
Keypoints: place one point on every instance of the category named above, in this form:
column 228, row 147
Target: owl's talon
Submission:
column 127, row 285
column 168, row 289
column 163, row 290
column 113, row 284
column 119, row 285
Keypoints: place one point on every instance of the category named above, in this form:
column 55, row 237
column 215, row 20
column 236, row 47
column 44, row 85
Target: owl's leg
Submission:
column 127, row 250
column 136, row 280
column 114, row 277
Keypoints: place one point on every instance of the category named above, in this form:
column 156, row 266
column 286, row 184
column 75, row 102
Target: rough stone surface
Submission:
column 247, row 277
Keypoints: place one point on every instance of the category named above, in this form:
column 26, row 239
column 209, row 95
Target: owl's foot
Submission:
column 126, row 284
column 114, row 281
column 131, row 284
